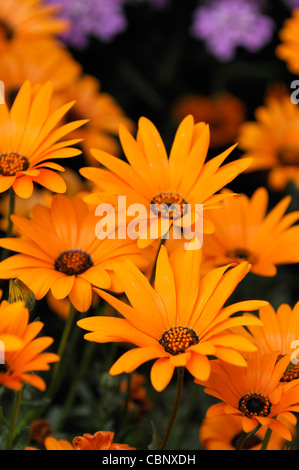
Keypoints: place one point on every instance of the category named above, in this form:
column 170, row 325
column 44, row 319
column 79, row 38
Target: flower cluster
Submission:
column 144, row 247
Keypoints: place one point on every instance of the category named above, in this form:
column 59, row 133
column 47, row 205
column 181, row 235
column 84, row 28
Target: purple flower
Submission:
column 292, row 3
column 226, row 24
column 103, row 19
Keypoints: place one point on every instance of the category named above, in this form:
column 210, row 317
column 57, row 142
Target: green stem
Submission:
column 16, row 410
column 266, row 439
column 11, row 210
column 162, row 242
column 49, row 395
column 176, row 404
column 88, row 352
column 246, row 436
column 61, row 349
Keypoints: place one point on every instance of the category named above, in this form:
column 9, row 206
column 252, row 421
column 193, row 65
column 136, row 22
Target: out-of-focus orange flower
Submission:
column 40, row 429
column 244, row 231
column 273, row 142
column 223, row 112
column 103, row 112
column 51, row 443
column 254, row 392
column 101, row 440
column 24, row 348
column 30, row 138
column 180, row 322
column 59, row 250
column 288, row 50
column 38, row 61
column 224, row 432
column 26, row 19
column 139, row 404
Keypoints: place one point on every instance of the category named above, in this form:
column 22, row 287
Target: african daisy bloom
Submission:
column 179, row 322
column 101, row 440
column 59, row 251
column 46, row 62
column 272, row 141
column 279, row 333
column 24, row 19
column 224, row 112
column 154, row 181
column 224, row 432
column 254, row 392
column 30, row 138
column 288, row 49
column 24, row 348
column 245, row 231
column 54, row 444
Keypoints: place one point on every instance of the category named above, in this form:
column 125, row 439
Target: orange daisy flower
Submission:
column 245, row 232
column 224, row 112
column 272, row 141
column 101, row 440
column 139, row 403
column 54, row 444
column 180, row 322
column 39, row 63
column 224, row 432
column 23, row 347
column 25, row 19
column 154, row 181
column 279, row 333
column 59, row 250
column 30, row 138
column 254, row 392
column 289, row 48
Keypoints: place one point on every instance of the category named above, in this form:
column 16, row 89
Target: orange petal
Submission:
column 23, row 186
column 161, row 373
column 50, row 180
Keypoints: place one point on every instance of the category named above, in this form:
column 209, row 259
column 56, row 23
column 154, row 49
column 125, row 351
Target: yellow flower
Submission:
column 179, row 322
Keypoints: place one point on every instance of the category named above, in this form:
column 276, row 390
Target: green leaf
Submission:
column 154, row 445
column 22, row 439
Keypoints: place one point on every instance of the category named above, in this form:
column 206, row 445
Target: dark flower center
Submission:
column 168, row 205
column 255, row 404
column 241, row 254
column 288, row 156
column 6, row 30
column 11, row 163
column 177, row 339
column 291, row 373
column 73, row 262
